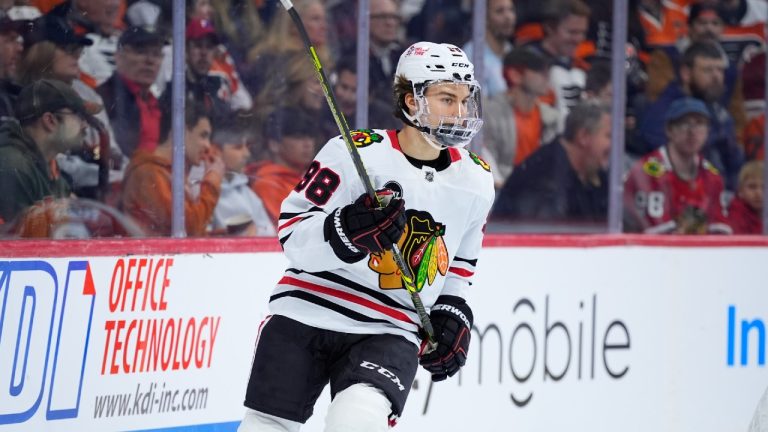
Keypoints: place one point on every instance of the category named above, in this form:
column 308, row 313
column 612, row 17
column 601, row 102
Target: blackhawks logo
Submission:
column 365, row 137
column 478, row 160
column 653, row 167
column 423, row 249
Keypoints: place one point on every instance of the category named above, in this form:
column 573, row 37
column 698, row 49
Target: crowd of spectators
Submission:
column 85, row 109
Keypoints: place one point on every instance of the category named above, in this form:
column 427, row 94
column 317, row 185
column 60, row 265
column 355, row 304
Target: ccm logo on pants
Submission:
column 392, row 377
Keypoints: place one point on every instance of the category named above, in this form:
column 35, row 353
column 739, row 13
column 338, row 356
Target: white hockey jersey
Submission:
column 446, row 211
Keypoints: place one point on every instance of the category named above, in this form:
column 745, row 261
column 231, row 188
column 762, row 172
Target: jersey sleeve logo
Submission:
column 424, row 251
column 478, row 160
column 654, row 168
column 365, row 137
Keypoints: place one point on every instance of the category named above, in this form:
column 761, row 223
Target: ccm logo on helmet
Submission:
column 461, row 65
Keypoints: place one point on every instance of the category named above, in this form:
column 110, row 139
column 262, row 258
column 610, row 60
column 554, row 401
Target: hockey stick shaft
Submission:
column 341, row 123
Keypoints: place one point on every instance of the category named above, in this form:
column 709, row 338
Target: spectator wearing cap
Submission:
column 207, row 86
column 674, row 189
column 224, row 65
column 53, row 50
column 239, row 210
column 702, row 71
column 11, row 46
column 132, row 108
column 290, row 139
column 51, row 120
column 147, row 183
column 517, row 123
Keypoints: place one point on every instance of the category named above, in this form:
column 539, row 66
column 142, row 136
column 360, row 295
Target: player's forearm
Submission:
column 306, row 239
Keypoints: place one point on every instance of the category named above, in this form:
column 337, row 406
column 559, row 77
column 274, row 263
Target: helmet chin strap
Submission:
column 426, row 132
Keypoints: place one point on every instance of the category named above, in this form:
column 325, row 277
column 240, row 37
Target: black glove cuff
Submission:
column 341, row 245
column 454, row 307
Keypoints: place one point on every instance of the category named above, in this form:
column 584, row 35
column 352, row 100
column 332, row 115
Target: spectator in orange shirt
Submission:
column 147, row 183
column 664, row 22
column 517, row 122
column 290, row 138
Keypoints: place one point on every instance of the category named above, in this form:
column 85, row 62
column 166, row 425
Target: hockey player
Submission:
column 674, row 190
column 340, row 313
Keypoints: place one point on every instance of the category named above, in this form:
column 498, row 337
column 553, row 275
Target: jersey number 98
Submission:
column 320, row 183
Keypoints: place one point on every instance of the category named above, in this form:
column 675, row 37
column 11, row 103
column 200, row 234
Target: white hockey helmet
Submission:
column 425, row 64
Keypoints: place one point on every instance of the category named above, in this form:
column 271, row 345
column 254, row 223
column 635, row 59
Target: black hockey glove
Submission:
column 452, row 320
column 358, row 229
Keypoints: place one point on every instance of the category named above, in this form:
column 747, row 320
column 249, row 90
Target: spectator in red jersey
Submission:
column 674, row 190
column 702, row 76
column 745, row 215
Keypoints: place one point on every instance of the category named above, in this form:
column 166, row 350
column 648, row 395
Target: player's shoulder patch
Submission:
column 479, row 161
column 654, row 167
column 365, row 137
column 711, row 168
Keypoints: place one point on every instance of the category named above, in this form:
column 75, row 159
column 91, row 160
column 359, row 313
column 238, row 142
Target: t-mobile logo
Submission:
column 392, row 377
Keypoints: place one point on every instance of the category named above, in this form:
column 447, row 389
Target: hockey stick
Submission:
column 341, row 123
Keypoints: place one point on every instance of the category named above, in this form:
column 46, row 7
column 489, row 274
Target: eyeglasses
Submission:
column 690, row 125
